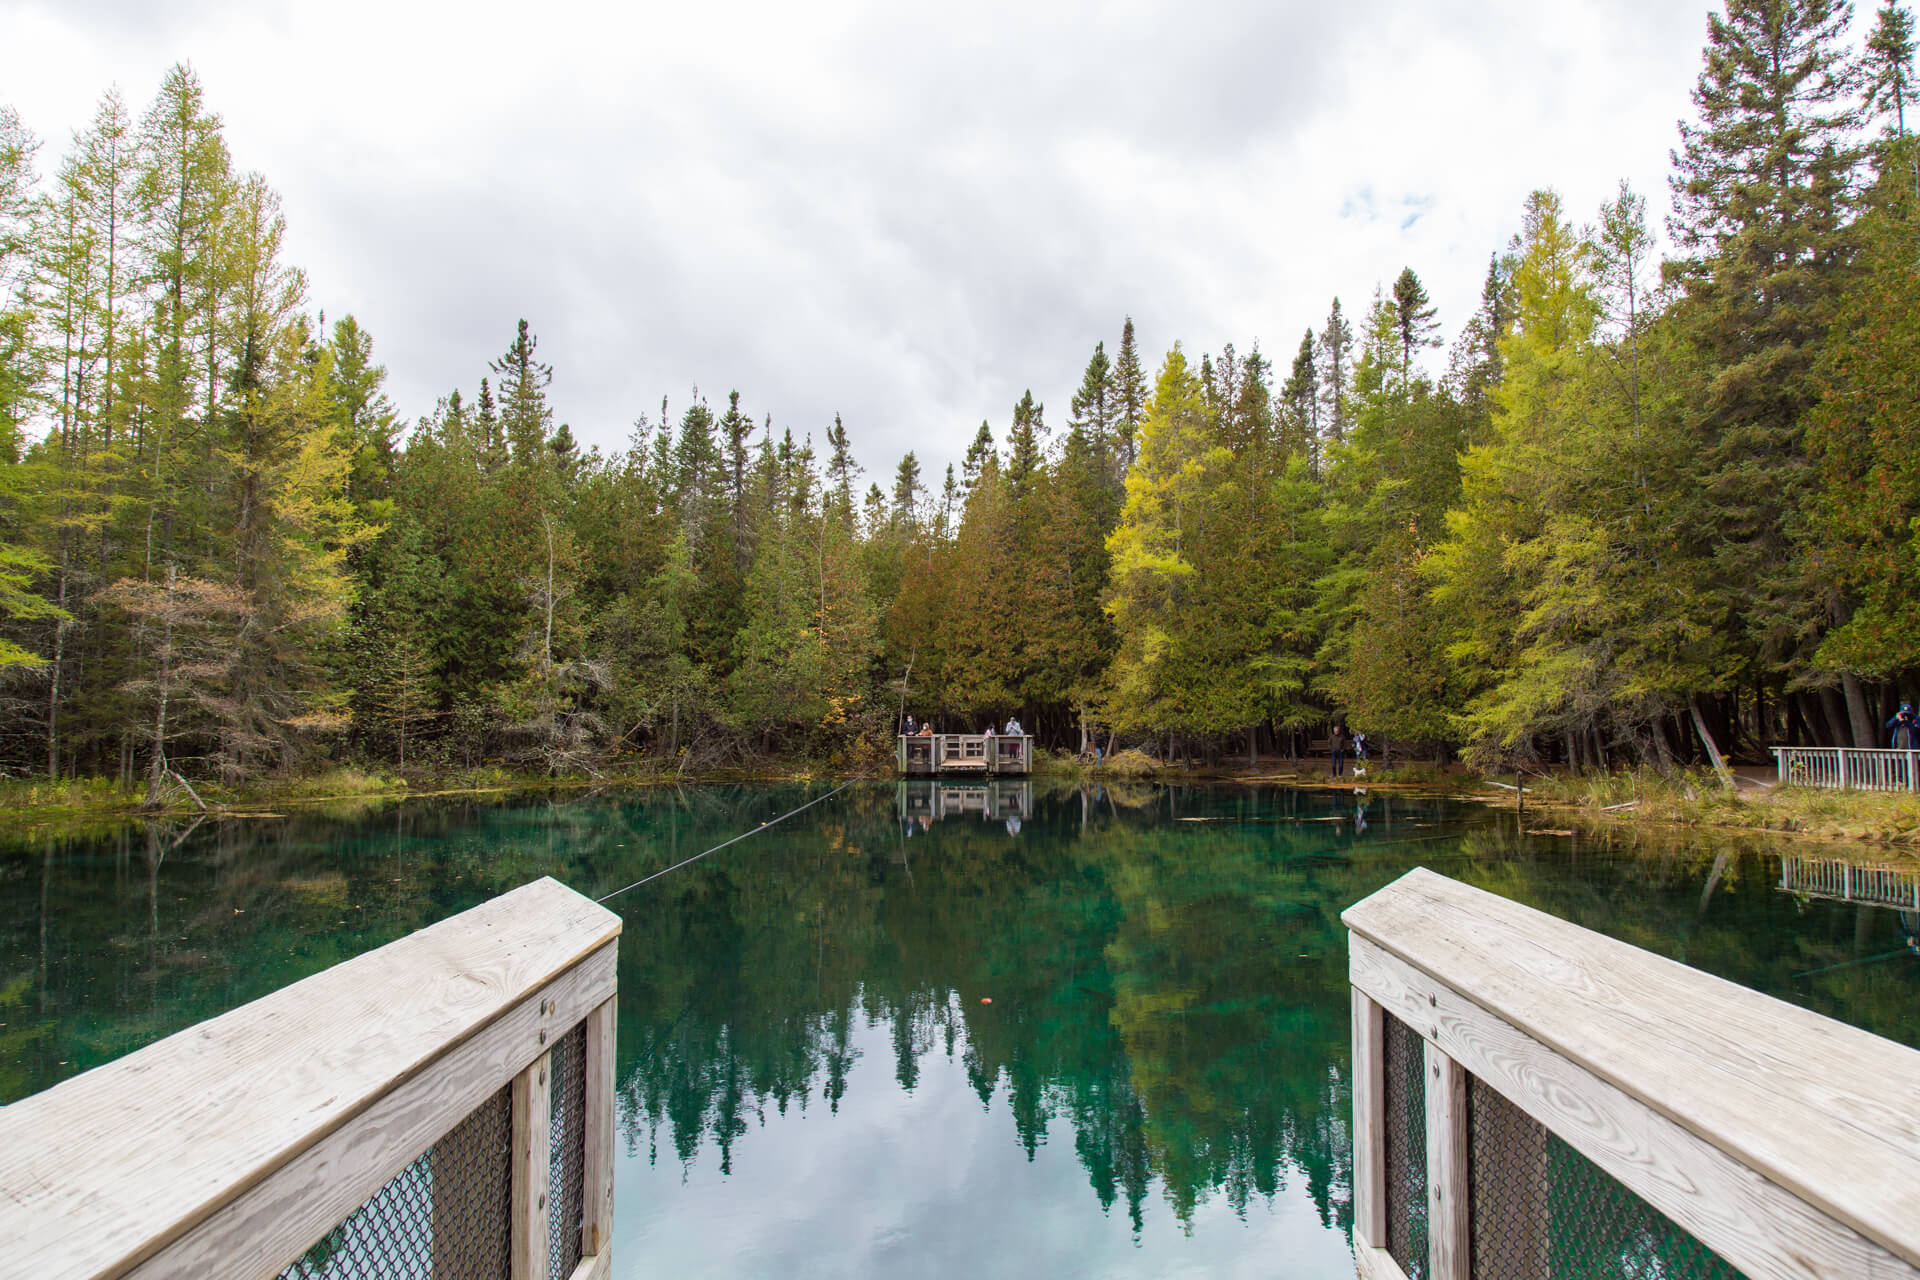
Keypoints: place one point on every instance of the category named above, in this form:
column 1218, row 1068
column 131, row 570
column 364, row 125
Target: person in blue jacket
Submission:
column 1906, row 728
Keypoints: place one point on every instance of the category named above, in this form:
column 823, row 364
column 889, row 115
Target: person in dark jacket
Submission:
column 1906, row 728
column 1337, row 748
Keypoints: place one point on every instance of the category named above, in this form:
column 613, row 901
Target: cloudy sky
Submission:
column 906, row 214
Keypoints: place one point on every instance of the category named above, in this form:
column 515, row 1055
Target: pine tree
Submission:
column 949, row 503
column 841, row 470
column 19, row 363
column 735, row 428
column 1129, row 397
column 525, row 417
column 1024, row 445
column 1889, row 73
column 1889, row 64
column 1090, row 411
column 1153, row 570
column 906, row 490
column 1864, row 438
column 1762, row 191
column 979, row 454
column 365, row 416
column 490, row 442
column 1336, row 355
column 1622, row 259
column 1413, row 316
column 1300, row 403
column 1475, row 368
column 181, row 190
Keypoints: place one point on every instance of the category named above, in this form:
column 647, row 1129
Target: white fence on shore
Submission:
column 1848, row 768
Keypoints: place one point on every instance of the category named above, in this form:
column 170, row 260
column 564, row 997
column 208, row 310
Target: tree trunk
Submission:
column 157, row 770
column 1797, row 730
column 1662, row 754
column 1834, row 708
column 1713, row 752
column 1862, row 718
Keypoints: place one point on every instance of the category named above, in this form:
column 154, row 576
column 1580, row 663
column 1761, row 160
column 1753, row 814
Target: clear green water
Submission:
column 813, row 1082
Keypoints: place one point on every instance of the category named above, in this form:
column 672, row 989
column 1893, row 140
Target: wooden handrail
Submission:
column 229, row 1148
column 1785, row 1141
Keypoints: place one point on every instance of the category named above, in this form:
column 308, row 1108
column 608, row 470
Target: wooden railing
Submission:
column 1848, row 768
column 1783, row 1142
column 964, row 753
column 403, row 1106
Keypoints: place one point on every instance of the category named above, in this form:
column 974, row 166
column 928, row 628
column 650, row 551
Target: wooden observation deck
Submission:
column 1532, row 1099
column 441, row 1106
column 985, row 754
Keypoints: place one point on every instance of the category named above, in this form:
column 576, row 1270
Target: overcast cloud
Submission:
column 904, row 214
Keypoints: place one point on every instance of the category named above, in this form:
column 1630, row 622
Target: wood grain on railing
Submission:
column 229, row 1148
column 1785, row 1141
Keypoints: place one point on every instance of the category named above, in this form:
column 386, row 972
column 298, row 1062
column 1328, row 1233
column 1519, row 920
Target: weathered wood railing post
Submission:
column 443, row 1105
column 1590, row 1105
column 1369, row 1124
column 1449, row 1242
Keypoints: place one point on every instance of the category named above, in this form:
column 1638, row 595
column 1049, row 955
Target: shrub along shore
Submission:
column 1640, row 799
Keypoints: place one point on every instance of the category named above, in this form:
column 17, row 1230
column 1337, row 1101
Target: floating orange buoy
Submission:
column 986, row 999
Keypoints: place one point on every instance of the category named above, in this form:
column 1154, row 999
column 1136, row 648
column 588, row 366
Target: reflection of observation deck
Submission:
column 1844, row 882
column 981, row 753
column 1865, row 886
column 989, row 801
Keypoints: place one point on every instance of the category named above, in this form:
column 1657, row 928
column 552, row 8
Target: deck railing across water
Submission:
column 442, row 1106
column 1848, row 768
column 964, row 752
column 1533, row 1101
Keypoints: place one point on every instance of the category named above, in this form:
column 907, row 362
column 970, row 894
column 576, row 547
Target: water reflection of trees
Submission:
column 108, row 943
column 1171, row 997
column 1166, row 966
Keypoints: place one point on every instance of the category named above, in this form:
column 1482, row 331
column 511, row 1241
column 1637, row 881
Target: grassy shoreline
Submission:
column 1889, row 821
column 1615, row 801
column 33, row 805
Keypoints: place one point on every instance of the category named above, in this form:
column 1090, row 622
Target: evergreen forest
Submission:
column 1660, row 491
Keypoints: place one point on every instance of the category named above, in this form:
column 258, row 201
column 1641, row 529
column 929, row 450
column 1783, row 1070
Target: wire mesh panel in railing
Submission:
column 443, row 1215
column 1406, row 1146
column 568, row 1153
column 1542, row 1211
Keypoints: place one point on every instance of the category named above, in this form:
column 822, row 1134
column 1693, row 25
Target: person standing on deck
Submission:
column 1906, row 728
column 1013, row 729
column 1337, row 749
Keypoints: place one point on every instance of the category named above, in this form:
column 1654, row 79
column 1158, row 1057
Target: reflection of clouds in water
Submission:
column 928, row 1182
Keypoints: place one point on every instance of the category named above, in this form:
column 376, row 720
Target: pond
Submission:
column 918, row 1030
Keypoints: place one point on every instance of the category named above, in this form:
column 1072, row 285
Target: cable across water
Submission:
column 736, row 840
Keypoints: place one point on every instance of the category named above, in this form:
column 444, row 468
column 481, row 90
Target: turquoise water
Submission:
column 1094, row 1032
